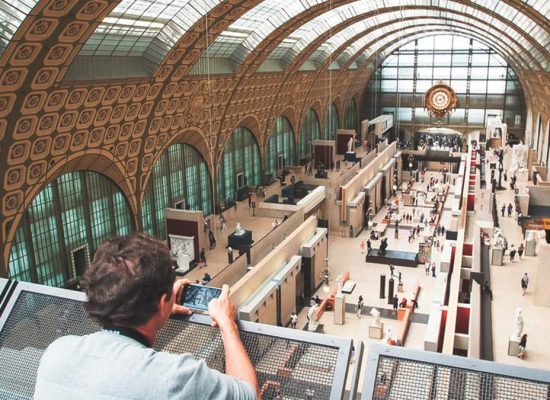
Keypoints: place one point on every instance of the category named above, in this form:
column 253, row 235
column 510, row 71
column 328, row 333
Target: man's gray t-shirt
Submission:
column 107, row 366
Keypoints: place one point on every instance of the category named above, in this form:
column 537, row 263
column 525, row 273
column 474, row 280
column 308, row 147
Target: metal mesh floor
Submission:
column 286, row 368
column 398, row 378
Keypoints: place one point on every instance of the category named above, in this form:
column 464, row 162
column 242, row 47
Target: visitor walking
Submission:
column 229, row 254
column 212, row 240
column 203, row 257
column 524, row 283
column 503, row 209
column 359, row 309
column 395, row 303
column 427, row 265
column 293, row 320
column 521, row 249
column 433, row 269
column 522, row 346
column 512, row 253
column 510, row 208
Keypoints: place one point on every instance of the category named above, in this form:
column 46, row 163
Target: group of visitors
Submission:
column 430, row 266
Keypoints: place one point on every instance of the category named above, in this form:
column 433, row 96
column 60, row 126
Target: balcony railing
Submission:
column 288, row 363
column 399, row 373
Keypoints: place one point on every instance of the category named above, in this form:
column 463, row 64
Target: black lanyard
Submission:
column 128, row 332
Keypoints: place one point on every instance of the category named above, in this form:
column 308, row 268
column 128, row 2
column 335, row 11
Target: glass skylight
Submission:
column 147, row 28
column 371, row 39
column 12, row 14
column 150, row 28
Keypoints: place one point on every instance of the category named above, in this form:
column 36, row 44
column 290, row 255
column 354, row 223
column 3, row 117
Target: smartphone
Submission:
column 197, row 297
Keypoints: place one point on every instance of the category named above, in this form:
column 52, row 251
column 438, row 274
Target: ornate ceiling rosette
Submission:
column 440, row 100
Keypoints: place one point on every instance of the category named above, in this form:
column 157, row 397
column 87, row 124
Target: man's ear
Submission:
column 165, row 307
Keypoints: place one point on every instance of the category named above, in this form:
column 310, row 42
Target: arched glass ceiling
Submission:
column 12, row 14
column 243, row 35
column 404, row 19
column 375, row 45
column 387, row 45
column 146, row 28
column 370, row 40
column 246, row 33
column 150, row 28
column 307, row 33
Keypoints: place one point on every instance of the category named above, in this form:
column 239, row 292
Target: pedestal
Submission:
column 390, row 291
column 240, row 241
column 513, row 347
column 400, row 288
column 339, row 309
column 376, row 332
column 542, row 294
column 497, row 256
column 531, row 248
column 350, row 156
column 522, row 175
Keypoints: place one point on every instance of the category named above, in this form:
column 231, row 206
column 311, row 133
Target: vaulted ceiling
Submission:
column 109, row 85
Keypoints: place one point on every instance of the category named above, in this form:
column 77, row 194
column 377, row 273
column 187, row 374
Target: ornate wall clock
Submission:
column 440, row 100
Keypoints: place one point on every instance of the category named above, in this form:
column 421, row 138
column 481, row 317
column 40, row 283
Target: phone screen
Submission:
column 198, row 297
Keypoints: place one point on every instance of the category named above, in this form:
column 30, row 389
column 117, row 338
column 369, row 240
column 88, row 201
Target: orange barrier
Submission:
column 404, row 326
column 330, row 299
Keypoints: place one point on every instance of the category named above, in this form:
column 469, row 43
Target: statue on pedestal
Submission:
column 350, row 145
column 518, row 325
column 312, row 322
column 238, row 230
column 376, row 315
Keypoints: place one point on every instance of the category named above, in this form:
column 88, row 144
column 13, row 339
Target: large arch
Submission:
column 240, row 167
column 280, row 149
column 180, row 178
column 64, row 225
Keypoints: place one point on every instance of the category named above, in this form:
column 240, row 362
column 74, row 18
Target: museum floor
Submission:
column 345, row 255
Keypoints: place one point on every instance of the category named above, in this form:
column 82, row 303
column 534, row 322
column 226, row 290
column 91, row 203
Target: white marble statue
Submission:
column 350, row 145
column 376, row 315
column 499, row 238
column 388, row 337
column 183, row 248
column 520, row 154
column 518, row 325
column 238, row 230
column 313, row 324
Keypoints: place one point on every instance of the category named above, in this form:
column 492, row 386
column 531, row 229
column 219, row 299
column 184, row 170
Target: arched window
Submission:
column 280, row 148
column 308, row 134
column 64, row 225
column 180, row 179
column 332, row 123
column 351, row 115
column 239, row 168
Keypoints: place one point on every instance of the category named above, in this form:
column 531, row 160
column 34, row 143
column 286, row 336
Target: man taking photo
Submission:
column 132, row 292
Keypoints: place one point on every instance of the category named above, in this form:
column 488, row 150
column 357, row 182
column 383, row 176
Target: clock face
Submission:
column 440, row 100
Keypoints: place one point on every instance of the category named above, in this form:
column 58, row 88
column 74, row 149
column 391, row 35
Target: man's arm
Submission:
column 237, row 362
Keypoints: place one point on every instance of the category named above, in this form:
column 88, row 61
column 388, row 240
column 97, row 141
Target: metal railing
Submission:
column 399, row 373
column 288, row 363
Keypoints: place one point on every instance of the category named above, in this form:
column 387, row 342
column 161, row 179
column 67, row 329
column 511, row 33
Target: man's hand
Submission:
column 222, row 310
column 177, row 292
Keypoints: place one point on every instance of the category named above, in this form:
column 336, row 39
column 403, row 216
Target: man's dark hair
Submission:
column 127, row 278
